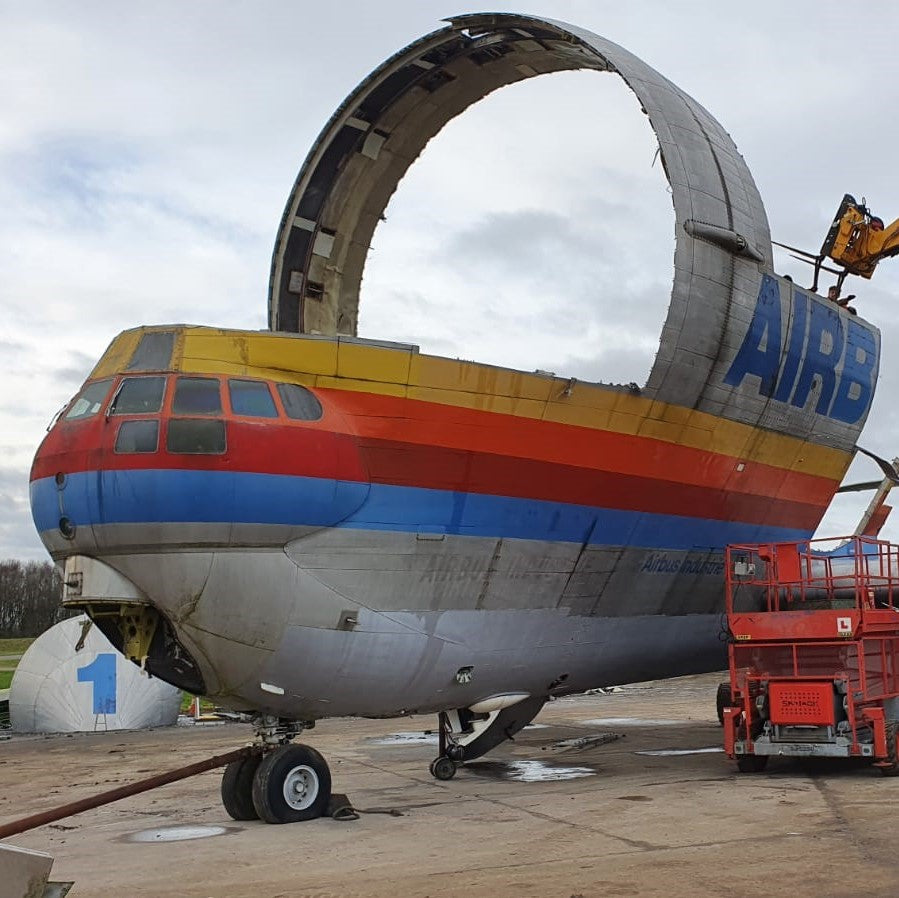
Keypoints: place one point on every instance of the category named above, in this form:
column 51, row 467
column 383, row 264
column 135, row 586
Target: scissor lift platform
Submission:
column 813, row 652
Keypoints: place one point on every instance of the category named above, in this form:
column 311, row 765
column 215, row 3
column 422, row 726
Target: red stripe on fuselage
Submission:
column 404, row 442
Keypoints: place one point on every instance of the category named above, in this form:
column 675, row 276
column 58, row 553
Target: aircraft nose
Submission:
column 63, row 498
column 208, row 460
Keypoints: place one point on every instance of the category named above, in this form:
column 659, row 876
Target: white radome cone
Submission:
column 57, row 689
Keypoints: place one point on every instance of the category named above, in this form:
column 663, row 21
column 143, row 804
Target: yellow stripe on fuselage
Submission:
column 397, row 370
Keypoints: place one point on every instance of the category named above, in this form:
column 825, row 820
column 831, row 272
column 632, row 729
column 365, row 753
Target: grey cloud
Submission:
column 613, row 364
column 10, row 350
column 523, row 240
column 14, row 410
column 18, row 538
column 73, row 374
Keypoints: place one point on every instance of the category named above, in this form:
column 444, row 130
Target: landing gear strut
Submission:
column 443, row 767
column 283, row 783
column 468, row 733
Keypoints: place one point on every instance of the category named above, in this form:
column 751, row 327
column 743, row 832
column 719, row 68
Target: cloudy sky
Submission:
column 147, row 150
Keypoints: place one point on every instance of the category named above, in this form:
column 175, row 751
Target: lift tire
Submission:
column 291, row 784
column 752, row 763
column 237, row 788
column 443, row 768
column 723, row 699
column 892, row 731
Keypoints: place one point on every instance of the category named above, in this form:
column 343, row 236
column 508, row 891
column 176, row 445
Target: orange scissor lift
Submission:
column 814, row 652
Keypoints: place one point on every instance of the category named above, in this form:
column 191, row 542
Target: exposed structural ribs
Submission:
column 354, row 166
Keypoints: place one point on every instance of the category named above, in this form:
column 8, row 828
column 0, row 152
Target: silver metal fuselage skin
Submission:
column 423, row 610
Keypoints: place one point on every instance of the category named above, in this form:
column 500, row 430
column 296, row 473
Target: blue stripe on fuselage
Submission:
column 178, row 496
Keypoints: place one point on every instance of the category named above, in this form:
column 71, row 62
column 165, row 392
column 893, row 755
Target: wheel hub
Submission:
column 300, row 787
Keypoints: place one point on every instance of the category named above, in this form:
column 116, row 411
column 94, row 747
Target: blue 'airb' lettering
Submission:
column 789, row 366
column 760, row 352
column 823, row 349
column 794, row 353
column 858, row 377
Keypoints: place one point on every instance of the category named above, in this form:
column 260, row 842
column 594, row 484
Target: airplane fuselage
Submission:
column 320, row 525
column 337, row 526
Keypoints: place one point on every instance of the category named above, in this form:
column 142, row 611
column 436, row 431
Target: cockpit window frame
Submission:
column 111, row 410
column 262, row 386
column 179, row 428
column 68, row 416
column 181, row 379
column 130, row 423
column 282, row 387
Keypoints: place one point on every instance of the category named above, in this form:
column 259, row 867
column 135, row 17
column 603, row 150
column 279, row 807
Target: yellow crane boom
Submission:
column 858, row 240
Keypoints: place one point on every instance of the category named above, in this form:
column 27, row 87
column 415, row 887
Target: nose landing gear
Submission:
column 283, row 783
column 468, row 733
column 443, row 768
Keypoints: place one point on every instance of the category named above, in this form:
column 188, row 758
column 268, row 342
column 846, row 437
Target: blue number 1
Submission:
column 101, row 672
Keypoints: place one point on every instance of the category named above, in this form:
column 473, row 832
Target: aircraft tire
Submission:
column 291, row 784
column 237, row 788
column 443, row 768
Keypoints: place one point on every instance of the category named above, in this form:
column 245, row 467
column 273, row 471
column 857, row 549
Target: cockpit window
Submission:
column 252, row 398
column 299, row 403
column 154, row 352
column 138, row 396
column 89, row 400
column 196, row 436
column 138, row 436
column 197, row 396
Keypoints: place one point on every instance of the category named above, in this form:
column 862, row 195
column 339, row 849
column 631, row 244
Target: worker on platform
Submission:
column 833, row 294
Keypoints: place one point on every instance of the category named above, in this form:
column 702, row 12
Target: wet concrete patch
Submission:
column 178, row 833
column 584, row 742
column 527, row 771
column 670, row 752
column 416, row 738
column 631, row 722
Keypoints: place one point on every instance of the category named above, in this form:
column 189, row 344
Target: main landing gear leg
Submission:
column 465, row 735
column 283, row 783
column 443, row 767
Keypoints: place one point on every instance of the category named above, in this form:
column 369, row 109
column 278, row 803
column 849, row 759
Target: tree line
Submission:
column 30, row 598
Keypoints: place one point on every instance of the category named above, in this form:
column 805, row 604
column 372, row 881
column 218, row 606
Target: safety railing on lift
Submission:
column 861, row 573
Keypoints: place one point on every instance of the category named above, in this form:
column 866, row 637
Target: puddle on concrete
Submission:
column 177, row 833
column 425, row 738
column 670, row 752
column 584, row 742
column 527, row 771
column 631, row 722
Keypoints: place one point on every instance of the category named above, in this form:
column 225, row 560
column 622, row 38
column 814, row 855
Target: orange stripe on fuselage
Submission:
column 386, row 418
column 455, row 400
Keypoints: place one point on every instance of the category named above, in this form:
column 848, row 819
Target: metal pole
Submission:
column 144, row 785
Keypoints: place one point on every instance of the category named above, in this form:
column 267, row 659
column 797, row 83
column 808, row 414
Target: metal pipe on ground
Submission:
column 144, row 785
